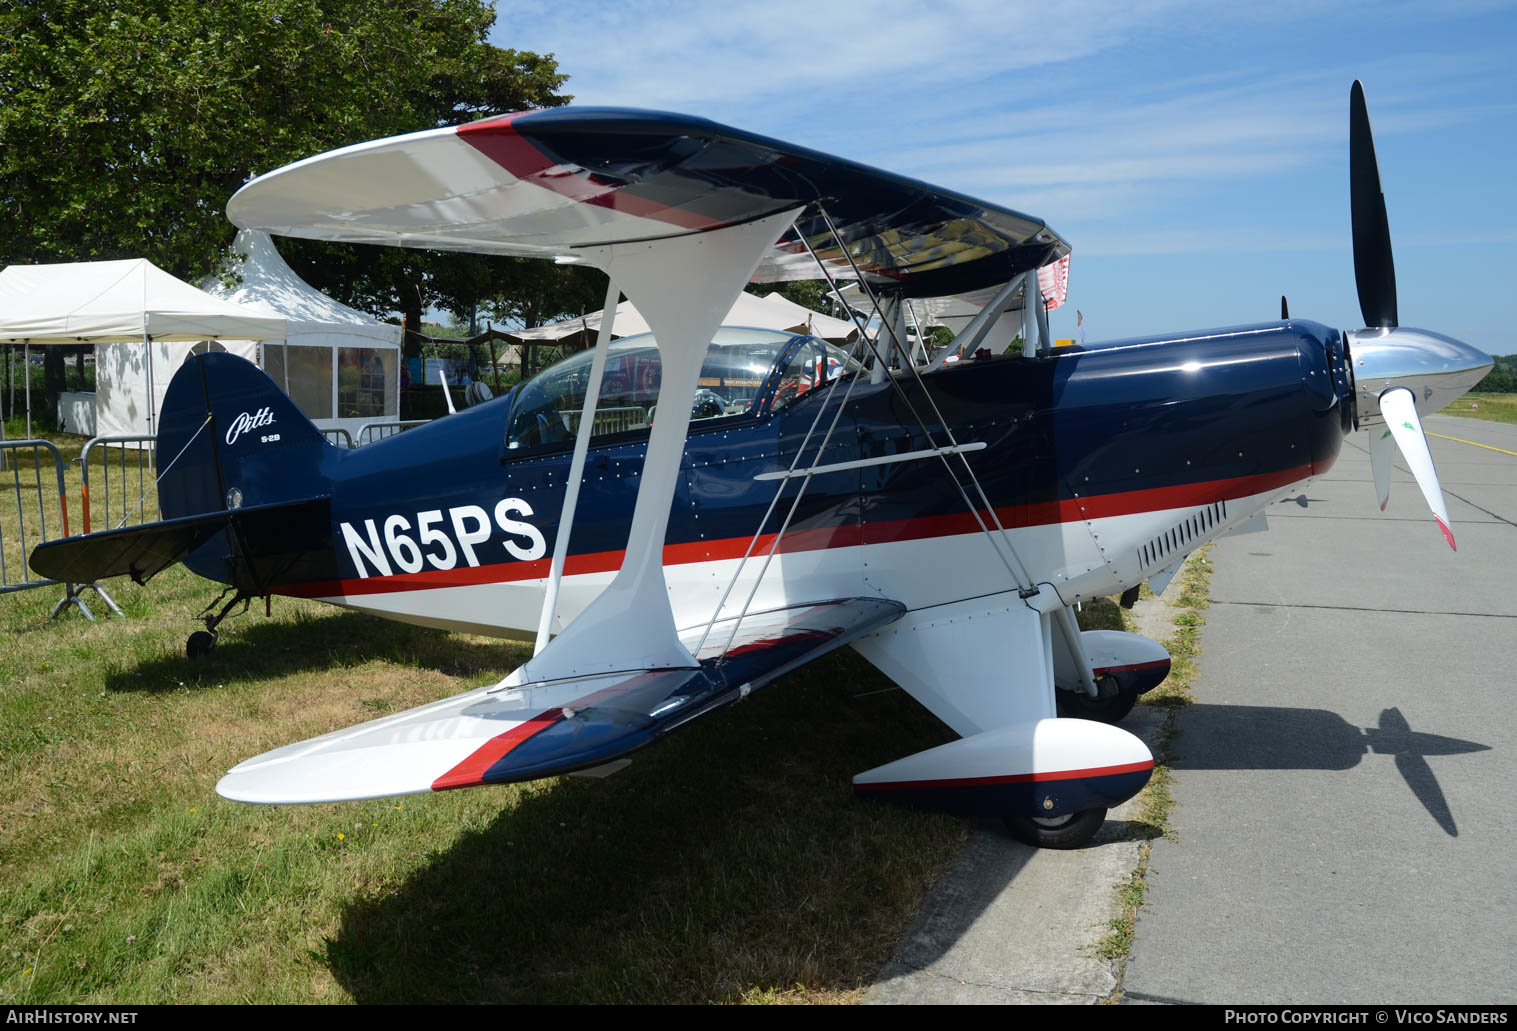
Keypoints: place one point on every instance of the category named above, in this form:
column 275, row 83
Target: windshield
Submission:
column 732, row 382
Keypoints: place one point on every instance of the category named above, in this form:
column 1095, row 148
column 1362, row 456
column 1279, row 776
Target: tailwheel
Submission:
column 200, row 643
column 1072, row 830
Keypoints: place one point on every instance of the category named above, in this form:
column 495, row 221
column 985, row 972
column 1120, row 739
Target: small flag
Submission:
column 1053, row 282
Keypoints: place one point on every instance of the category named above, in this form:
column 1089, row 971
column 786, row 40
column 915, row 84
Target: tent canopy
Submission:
column 97, row 302
column 272, row 287
column 771, row 312
column 824, row 326
column 340, row 366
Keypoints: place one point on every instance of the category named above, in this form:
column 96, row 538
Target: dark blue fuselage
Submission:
column 1111, row 430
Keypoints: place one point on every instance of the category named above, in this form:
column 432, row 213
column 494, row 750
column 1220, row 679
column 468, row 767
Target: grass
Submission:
column 1118, row 941
column 1156, row 801
column 729, row 864
column 1102, row 614
column 1492, row 407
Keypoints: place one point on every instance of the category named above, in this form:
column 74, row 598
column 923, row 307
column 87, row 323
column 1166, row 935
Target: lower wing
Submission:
column 518, row 732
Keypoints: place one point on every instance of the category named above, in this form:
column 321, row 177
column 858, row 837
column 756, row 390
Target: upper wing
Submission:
column 541, row 183
column 509, row 733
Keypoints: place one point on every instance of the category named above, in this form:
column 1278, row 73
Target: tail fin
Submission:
column 229, row 437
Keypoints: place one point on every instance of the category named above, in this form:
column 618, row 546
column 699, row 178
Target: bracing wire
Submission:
column 773, row 502
column 163, row 472
column 1024, row 580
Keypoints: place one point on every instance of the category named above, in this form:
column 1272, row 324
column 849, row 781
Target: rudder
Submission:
column 256, row 447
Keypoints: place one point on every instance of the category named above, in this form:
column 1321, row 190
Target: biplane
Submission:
column 687, row 516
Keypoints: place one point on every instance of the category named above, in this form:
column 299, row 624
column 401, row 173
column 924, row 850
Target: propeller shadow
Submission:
column 1259, row 737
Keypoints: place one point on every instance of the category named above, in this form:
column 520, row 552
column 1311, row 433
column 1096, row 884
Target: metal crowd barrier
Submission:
column 369, row 432
column 333, row 434
column 134, row 480
column 15, row 574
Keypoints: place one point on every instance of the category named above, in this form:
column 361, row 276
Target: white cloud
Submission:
column 1157, row 127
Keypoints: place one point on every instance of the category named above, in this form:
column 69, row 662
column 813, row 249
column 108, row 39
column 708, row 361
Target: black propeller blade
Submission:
column 1285, row 312
column 1374, row 270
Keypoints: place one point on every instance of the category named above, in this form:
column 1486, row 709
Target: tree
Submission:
column 125, row 126
column 533, row 292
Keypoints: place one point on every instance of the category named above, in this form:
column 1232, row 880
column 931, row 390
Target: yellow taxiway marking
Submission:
column 1461, row 440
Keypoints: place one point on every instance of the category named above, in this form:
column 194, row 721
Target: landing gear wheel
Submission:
column 1106, row 709
column 200, row 643
column 1072, row 830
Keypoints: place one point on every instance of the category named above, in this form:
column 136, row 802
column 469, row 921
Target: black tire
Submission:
column 1072, row 830
column 1108, row 709
column 200, row 643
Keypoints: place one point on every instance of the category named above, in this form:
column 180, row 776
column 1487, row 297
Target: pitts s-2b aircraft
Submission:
column 700, row 511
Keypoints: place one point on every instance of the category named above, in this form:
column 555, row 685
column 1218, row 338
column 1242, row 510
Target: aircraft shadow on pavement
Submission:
column 255, row 651
column 1261, row 737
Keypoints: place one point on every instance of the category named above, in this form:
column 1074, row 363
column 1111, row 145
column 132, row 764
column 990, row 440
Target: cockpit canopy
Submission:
column 747, row 373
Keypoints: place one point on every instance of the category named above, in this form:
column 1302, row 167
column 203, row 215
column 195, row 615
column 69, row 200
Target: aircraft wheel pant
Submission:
column 1126, row 665
column 1051, row 780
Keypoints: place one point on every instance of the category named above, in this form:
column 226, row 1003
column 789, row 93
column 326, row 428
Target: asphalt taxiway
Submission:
column 1346, row 781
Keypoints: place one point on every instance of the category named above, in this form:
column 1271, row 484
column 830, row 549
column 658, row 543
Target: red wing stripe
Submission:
column 472, row 770
column 499, row 141
column 1015, row 778
column 788, row 637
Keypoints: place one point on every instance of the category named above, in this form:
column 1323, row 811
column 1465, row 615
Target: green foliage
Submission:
column 428, row 402
column 1503, row 378
column 1486, row 407
column 532, row 292
column 125, row 127
column 76, row 376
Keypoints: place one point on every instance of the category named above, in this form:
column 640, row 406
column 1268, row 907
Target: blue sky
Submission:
column 1195, row 155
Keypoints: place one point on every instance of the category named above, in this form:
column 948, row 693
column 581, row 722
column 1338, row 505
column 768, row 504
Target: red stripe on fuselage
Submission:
column 1132, row 667
column 1102, row 506
column 499, row 141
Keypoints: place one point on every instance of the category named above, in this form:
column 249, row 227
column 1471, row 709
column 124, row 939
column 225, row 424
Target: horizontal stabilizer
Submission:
column 268, row 540
column 509, row 732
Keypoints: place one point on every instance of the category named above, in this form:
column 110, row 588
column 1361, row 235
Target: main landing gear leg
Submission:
column 1109, row 707
column 201, row 642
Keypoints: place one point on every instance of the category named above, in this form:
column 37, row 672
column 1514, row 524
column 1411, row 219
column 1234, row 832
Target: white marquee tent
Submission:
column 771, row 312
column 142, row 320
column 339, row 365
